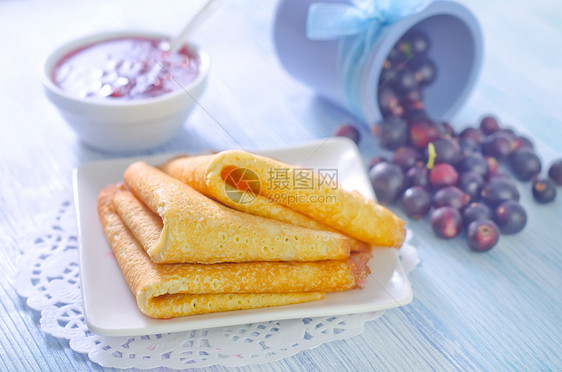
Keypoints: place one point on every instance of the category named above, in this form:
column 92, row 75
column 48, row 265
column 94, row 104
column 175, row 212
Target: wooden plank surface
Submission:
column 495, row 311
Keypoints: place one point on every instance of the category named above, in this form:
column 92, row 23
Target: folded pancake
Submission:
column 170, row 290
column 193, row 171
column 349, row 213
column 196, row 229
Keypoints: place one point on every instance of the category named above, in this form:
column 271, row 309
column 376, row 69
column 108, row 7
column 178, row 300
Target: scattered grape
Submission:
column 460, row 168
column 497, row 145
column 482, row 235
column 446, row 222
column 423, row 132
column 467, row 146
column 392, row 133
column 406, row 157
column 418, row 175
column 489, row 125
column 476, row 211
column 376, row 160
column 388, row 182
column 493, row 165
column 525, row 164
column 416, row 202
column 450, row 196
column 510, row 217
column 521, row 142
column 446, row 151
column 349, row 131
column 544, row 190
column 498, row 190
column 473, row 134
column 446, row 129
column 473, row 162
column 555, row 172
column 471, row 183
column 443, row 175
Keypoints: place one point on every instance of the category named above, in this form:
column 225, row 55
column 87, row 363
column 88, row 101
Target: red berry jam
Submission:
column 126, row 68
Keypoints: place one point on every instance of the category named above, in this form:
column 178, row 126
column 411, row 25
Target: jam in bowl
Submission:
column 126, row 68
column 123, row 92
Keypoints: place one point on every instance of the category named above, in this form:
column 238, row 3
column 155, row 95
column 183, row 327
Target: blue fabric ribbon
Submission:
column 357, row 25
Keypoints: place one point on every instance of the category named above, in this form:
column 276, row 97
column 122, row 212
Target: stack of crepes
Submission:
column 187, row 244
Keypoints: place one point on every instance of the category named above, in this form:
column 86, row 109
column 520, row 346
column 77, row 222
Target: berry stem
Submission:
column 431, row 155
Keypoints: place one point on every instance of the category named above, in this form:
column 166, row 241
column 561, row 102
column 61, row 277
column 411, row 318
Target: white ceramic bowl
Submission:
column 124, row 126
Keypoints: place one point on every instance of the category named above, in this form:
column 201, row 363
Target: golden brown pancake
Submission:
column 170, row 290
column 349, row 213
column 196, row 229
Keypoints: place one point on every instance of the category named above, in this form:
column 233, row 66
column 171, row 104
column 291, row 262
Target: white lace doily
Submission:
column 50, row 281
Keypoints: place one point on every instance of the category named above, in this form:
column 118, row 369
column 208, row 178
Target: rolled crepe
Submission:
column 170, row 290
column 196, row 229
column 349, row 213
column 194, row 172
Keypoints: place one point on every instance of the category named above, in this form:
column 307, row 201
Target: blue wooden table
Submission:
column 496, row 311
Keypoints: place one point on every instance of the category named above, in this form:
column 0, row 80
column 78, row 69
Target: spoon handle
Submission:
column 177, row 42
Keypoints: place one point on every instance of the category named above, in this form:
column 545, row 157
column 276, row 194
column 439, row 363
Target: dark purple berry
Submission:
column 498, row 190
column 418, row 41
column 377, row 159
column 388, row 76
column 424, row 71
column 471, row 183
column 525, row 164
column 349, row 131
column 412, row 99
column 521, row 142
column 405, row 81
column 397, row 110
column 388, row 182
column 416, row 202
column 410, row 106
column 555, row 172
column 418, row 176
column 446, row 222
column 499, row 174
column 446, row 129
column 392, row 133
column 416, row 115
column 406, row 157
column 423, row 132
column 468, row 146
column 396, row 56
column 489, row 125
column 388, row 99
column 473, row 162
column 446, row 151
column 450, row 196
column 510, row 217
column 497, row 145
column 509, row 132
column 493, row 165
column 544, row 190
column 442, row 175
column 474, row 134
column 482, row 235
column 476, row 211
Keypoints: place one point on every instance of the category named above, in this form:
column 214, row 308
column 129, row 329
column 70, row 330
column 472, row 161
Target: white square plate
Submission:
column 111, row 310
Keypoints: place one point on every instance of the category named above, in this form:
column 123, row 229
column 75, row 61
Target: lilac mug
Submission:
column 456, row 49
